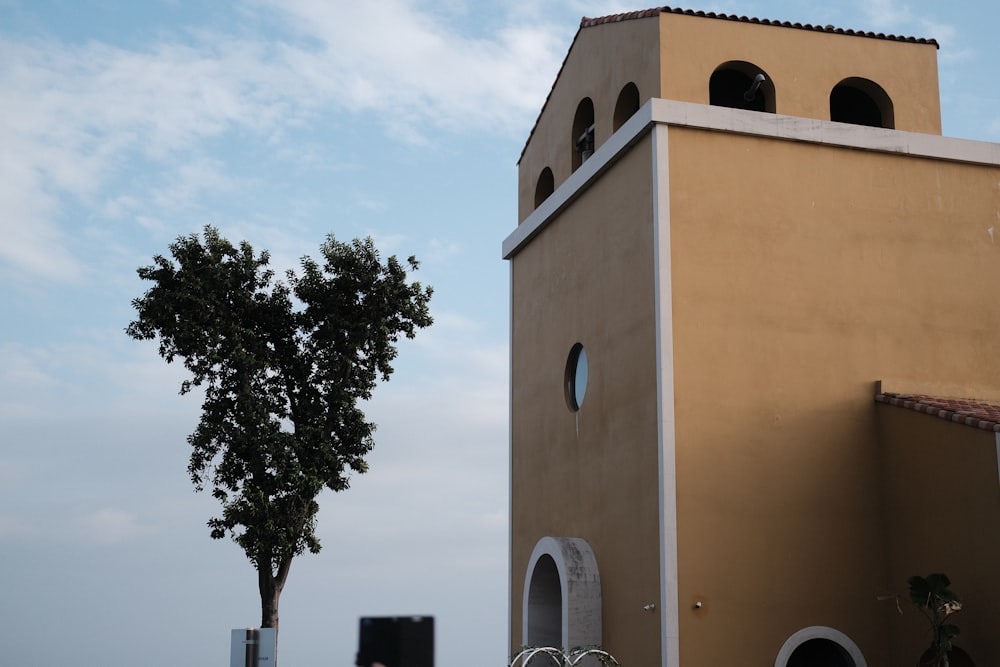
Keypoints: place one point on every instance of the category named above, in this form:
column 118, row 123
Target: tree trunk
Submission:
column 270, row 586
column 269, row 595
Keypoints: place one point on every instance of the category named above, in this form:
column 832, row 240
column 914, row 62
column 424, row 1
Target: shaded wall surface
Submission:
column 601, row 62
column 592, row 474
column 942, row 508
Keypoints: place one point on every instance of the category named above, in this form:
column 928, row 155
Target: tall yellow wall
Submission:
column 942, row 490
column 802, row 273
column 803, row 65
column 593, row 474
column 602, row 60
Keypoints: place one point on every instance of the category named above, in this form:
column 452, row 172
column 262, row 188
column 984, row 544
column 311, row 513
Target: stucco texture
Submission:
column 803, row 65
column 591, row 474
column 600, row 63
column 801, row 274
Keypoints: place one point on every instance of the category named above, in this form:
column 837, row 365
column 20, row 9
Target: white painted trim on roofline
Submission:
column 669, row 611
column 609, row 152
column 814, row 131
column 722, row 119
column 510, row 461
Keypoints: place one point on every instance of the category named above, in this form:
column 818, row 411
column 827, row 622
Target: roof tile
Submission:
column 647, row 13
column 970, row 412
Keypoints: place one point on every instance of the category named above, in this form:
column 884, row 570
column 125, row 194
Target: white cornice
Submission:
column 774, row 126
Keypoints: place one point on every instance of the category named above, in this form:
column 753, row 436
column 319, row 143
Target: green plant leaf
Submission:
column 949, row 630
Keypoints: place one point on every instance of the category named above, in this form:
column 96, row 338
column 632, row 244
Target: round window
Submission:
column 576, row 377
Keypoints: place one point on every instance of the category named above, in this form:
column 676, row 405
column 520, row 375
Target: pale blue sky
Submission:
column 126, row 123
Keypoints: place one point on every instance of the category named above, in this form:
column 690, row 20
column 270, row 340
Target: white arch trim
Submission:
column 580, row 584
column 819, row 632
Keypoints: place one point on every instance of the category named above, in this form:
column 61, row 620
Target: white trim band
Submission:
column 769, row 125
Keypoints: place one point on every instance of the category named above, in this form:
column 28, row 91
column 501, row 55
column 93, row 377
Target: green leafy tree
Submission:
column 283, row 365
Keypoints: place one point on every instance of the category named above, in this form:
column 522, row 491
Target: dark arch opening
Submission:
column 861, row 102
column 741, row 85
column 545, row 604
column 820, row 653
column 626, row 106
column 582, row 138
column 545, row 186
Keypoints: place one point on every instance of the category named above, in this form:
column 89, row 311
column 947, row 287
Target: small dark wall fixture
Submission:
column 626, row 106
column 582, row 137
column 545, row 186
column 741, row 85
column 861, row 102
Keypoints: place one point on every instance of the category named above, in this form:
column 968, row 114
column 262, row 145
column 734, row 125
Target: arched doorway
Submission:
column 544, row 606
column 561, row 604
column 820, row 653
column 819, row 646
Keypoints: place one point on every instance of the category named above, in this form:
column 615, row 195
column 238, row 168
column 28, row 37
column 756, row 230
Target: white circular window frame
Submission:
column 819, row 632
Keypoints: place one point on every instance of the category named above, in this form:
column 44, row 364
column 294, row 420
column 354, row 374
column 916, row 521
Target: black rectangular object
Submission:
column 396, row 641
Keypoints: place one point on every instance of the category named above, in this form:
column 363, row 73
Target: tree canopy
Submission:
column 283, row 364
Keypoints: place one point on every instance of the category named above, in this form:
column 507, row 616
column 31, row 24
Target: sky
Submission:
column 127, row 123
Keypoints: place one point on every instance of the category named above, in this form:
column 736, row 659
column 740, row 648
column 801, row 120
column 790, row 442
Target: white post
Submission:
column 253, row 647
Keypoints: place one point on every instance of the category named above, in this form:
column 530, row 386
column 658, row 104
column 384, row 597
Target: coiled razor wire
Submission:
column 557, row 658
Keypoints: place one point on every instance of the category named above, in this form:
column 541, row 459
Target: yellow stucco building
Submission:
column 745, row 259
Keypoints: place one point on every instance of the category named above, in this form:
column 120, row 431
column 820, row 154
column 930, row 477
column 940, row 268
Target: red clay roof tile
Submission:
column 647, row 13
column 966, row 411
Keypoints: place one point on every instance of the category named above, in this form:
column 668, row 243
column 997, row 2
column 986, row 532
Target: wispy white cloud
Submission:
column 11, row 526
column 192, row 179
column 112, row 525
column 893, row 16
column 23, row 368
column 441, row 251
column 32, row 243
column 897, row 17
column 404, row 63
column 75, row 115
column 76, row 376
column 79, row 116
column 369, row 202
column 595, row 8
column 885, row 14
